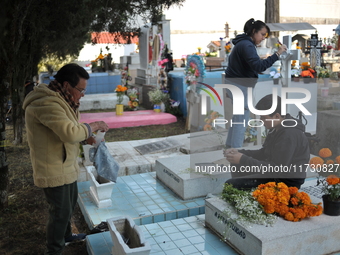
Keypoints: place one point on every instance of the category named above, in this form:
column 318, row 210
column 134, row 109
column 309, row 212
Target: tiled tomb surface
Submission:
column 315, row 235
column 180, row 236
column 142, row 198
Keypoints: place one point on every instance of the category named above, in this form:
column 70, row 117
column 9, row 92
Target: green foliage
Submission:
column 176, row 111
column 248, row 210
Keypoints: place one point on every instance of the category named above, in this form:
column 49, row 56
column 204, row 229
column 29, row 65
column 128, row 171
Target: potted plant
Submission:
column 157, row 97
column 307, row 72
column 323, row 73
column 330, row 185
column 295, row 74
column 120, row 90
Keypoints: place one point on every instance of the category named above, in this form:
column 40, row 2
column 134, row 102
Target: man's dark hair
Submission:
column 71, row 73
column 266, row 103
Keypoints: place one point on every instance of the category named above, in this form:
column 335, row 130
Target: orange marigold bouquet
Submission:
column 120, row 90
column 286, row 201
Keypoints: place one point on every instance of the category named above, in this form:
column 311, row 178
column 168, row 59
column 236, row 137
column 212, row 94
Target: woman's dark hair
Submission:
column 71, row 73
column 266, row 103
column 253, row 26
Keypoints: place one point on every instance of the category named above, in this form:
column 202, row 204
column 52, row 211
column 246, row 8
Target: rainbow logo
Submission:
column 210, row 94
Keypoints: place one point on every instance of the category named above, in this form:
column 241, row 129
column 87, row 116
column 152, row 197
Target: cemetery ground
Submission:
column 23, row 222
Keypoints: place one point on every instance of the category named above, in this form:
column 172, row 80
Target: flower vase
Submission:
column 296, row 79
column 119, row 109
column 330, row 207
column 276, row 81
column 157, row 107
column 226, row 60
column 326, row 82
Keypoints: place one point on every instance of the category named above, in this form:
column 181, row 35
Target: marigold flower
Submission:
column 293, row 190
column 329, row 162
column 332, row 180
column 337, row 159
column 325, row 153
column 316, row 161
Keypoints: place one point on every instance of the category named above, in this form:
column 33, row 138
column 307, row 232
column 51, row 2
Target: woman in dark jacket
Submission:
column 243, row 69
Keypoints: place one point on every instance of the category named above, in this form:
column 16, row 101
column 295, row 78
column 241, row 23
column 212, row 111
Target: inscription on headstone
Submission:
column 157, row 146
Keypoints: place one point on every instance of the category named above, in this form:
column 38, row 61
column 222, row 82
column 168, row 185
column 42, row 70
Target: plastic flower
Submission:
column 227, row 47
column 325, row 153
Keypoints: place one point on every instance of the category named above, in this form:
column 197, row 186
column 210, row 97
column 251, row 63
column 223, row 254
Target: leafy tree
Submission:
column 31, row 30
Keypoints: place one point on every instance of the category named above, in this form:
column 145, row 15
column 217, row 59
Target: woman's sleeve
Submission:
column 254, row 60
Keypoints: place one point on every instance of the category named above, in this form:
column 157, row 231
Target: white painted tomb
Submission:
column 100, row 188
column 127, row 237
column 315, row 235
column 179, row 175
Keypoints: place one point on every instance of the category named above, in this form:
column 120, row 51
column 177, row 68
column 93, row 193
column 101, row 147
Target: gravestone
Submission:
column 179, row 175
column 316, row 235
column 156, row 147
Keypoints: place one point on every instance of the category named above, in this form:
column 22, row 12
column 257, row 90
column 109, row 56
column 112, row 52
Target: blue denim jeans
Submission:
column 239, row 123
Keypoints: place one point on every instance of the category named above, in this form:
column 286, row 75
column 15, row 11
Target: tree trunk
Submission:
column 272, row 13
column 4, row 179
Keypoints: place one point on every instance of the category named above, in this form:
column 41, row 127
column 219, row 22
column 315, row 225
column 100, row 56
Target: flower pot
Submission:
column 306, row 80
column 326, row 82
column 324, row 91
column 100, row 188
column 276, row 81
column 127, row 237
column 119, row 109
column 296, row 79
column 331, row 208
column 157, row 107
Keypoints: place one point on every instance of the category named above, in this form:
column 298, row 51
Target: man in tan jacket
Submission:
column 54, row 133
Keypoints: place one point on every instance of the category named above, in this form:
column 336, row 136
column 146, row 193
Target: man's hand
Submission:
column 232, row 155
column 91, row 140
column 99, row 125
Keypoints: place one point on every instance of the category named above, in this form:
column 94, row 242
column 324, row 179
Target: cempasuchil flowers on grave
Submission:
column 286, row 201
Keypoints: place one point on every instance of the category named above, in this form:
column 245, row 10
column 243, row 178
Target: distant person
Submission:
column 283, row 157
column 244, row 65
column 54, row 133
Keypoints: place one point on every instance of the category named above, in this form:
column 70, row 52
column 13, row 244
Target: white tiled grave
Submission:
column 315, row 235
column 178, row 174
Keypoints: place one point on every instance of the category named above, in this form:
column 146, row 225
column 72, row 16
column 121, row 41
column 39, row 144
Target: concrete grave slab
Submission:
column 178, row 174
column 316, row 235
